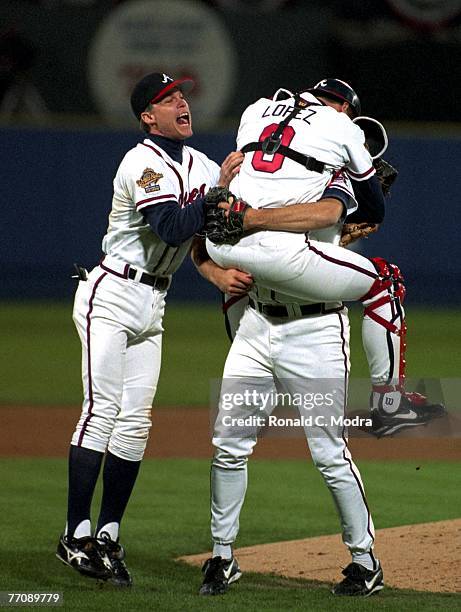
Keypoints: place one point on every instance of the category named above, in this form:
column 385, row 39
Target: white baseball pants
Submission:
column 119, row 322
column 311, row 347
column 312, row 271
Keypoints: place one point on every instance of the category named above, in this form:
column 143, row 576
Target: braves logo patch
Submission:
column 149, row 180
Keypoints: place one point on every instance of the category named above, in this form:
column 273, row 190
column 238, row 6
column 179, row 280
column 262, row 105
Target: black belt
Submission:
column 159, row 282
column 278, row 310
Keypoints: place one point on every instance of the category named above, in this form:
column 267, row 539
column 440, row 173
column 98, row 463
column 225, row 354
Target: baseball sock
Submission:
column 387, row 401
column 84, row 466
column 222, row 550
column 119, row 476
column 109, row 529
column 367, row 560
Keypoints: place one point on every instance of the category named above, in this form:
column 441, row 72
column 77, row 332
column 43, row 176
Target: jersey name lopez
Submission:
column 317, row 131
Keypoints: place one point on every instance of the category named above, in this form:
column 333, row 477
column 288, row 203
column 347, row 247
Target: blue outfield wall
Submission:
column 56, row 193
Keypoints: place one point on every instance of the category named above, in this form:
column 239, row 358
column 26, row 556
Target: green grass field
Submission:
column 41, row 352
column 169, row 516
column 169, row 511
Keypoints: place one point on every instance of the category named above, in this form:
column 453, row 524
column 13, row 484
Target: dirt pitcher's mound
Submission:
column 423, row 557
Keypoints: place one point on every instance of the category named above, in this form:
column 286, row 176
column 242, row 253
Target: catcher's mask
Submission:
column 375, row 135
column 338, row 90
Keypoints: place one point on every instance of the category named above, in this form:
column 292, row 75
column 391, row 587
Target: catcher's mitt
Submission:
column 224, row 226
column 355, row 231
column 386, row 174
column 216, row 195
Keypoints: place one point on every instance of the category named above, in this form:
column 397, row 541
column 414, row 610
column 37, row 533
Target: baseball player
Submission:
column 296, row 328
column 326, row 273
column 157, row 208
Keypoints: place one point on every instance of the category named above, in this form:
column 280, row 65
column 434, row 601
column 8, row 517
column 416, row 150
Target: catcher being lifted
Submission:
column 321, row 272
column 225, row 213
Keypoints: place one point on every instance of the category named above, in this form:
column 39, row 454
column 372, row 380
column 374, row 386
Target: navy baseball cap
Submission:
column 153, row 87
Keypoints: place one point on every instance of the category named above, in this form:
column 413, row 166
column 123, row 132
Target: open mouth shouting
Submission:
column 183, row 119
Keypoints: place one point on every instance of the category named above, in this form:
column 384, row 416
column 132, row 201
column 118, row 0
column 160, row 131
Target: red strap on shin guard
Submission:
column 369, row 311
column 390, row 280
column 387, row 324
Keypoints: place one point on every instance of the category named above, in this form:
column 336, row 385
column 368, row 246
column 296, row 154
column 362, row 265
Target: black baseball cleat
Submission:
column 219, row 574
column 84, row 555
column 413, row 410
column 359, row 582
column 113, row 555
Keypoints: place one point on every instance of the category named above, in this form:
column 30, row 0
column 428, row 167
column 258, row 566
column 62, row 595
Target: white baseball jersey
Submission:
column 318, row 131
column 148, row 176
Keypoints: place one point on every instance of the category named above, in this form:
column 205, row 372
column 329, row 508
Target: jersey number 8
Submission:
column 259, row 163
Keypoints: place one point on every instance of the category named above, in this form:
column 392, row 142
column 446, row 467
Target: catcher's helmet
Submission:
column 334, row 88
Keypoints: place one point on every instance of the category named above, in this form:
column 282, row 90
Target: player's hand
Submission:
column 230, row 168
column 225, row 206
column 250, row 215
column 232, row 281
